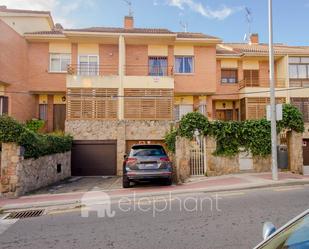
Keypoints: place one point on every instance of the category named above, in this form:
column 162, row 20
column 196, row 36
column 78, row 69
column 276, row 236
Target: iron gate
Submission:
column 198, row 156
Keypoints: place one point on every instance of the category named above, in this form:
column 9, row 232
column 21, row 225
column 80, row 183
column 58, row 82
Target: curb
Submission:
column 61, row 204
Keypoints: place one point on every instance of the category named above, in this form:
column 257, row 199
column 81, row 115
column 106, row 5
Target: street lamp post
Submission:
column 274, row 165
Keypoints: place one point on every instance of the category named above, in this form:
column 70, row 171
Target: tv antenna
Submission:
column 184, row 25
column 249, row 23
column 129, row 3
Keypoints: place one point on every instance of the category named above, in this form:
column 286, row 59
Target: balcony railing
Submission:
column 260, row 82
column 147, row 70
column 92, row 69
column 299, row 82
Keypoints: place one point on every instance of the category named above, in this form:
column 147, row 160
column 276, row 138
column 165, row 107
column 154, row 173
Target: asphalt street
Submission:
column 230, row 220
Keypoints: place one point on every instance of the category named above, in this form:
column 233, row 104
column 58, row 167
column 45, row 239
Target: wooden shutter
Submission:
column 5, row 107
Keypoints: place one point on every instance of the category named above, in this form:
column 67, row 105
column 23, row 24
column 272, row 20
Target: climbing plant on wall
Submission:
column 251, row 135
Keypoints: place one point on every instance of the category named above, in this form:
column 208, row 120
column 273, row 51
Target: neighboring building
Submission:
column 120, row 86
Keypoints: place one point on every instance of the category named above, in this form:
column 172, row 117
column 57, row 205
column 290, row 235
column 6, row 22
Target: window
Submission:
column 181, row 110
column 299, row 67
column 184, row 64
column 4, row 105
column 251, row 77
column 88, row 65
column 229, row 76
column 43, row 111
column 157, row 66
column 59, row 62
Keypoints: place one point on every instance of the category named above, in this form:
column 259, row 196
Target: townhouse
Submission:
column 113, row 87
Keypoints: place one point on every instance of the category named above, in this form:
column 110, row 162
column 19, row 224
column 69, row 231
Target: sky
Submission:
column 222, row 18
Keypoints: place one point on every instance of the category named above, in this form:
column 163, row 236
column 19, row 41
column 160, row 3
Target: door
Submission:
column 94, row 158
column 59, row 117
column 306, row 152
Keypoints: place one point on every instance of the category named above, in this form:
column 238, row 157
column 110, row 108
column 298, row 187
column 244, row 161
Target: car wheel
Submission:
column 125, row 182
column 168, row 182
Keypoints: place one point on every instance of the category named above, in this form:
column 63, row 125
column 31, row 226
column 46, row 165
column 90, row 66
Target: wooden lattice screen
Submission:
column 256, row 107
column 148, row 104
column 92, row 103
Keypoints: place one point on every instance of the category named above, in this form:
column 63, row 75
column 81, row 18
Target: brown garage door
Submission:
column 94, row 158
column 306, row 151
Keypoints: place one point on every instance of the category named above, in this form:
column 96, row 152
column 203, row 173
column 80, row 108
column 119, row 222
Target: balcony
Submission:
column 146, row 76
column 93, row 76
column 261, row 82
column 149, row 70
column 299, row 82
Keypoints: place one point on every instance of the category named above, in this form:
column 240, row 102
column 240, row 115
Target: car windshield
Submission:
column 143, row 150
column 293, row 237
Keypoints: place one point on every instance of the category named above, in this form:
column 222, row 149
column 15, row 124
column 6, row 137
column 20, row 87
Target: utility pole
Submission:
column 274, row 165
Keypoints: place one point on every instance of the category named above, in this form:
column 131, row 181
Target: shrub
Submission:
column 191, row 122
column 251, row 135
column 35, row 124
column 36, row 145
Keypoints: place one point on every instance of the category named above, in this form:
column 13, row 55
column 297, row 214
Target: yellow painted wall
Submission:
column 183, row 50
column 59, row 99
column 157, row 50
column 148, row 82
column 42, row 99
column 229, row 63
column 2, row 88
column 251, row 64
column 23, row 24
column 93, row 81
column 183, row 100
column 88, row 48
column 281, row 67
column 57, row 47
column 228, row 105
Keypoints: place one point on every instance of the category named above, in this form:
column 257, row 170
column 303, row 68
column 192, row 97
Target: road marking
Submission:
column 287, row 189
column 228, row 194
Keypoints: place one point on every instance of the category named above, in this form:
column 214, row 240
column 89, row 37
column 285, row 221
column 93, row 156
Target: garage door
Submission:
column 94, row 158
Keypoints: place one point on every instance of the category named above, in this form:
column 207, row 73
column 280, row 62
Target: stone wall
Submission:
column 295, row 152
column 218, row 165
column 19, row 175
column 119, row 131
column 181, row 160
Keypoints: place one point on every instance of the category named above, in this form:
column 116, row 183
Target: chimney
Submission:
column 128, row 22
column 254, row 38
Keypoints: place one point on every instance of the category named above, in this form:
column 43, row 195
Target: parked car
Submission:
column 147, row 162
column 293, row 235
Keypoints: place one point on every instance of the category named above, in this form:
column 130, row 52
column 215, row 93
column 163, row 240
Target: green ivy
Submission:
column 251, row 135
column 35, row 124
column 36, row 145
column 292, row 119
column 191, row 122
column 170, row 140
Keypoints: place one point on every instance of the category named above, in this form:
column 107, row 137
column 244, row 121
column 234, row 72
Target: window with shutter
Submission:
column 4, row 105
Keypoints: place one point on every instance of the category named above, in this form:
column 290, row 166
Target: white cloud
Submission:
column 60, row 9
column 203, row 10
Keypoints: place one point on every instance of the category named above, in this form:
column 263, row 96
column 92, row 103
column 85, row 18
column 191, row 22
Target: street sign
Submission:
column 279, row 114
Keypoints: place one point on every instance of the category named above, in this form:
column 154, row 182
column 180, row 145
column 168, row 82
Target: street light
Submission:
column 274, row 165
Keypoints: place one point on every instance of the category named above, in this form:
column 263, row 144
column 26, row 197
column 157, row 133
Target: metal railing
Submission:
column 92, row 69
column 148, row 70
column 299, row 82
column 261, row 82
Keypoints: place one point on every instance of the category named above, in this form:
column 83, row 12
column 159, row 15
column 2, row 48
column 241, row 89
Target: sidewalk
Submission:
column 193, row 185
